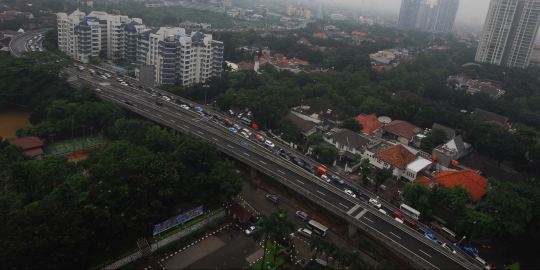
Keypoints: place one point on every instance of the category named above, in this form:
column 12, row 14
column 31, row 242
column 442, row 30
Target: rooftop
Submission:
column 422, row 179
column 304, row 125
column 370, row 123
column 402, row 128
column 348, row 137
column 450, row 132
column 490, row 117
column 419, row 164
column 397, row 155
column 472, row 181
column 27, row 142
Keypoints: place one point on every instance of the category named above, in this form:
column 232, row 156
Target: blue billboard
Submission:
column 176, row 220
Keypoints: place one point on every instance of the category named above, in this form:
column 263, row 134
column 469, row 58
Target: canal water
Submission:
column 12, row 118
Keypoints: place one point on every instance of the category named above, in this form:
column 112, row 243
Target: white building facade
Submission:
column 180, row 58
column 509, row 32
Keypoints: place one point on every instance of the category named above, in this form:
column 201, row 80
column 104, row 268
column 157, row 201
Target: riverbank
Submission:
column 12, row 118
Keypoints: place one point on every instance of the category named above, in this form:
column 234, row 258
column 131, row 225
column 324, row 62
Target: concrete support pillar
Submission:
column 352, row 230
column 252, row 173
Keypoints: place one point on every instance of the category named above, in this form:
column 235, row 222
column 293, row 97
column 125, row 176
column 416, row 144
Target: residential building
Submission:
column 490, row 117
column 535, row 57
column 402, row 131
column 31, row 146
column 370, row 123
column 307, row 128
column 346, row 141
column 453, row 150
column 489, row 167
column 84, row 36
column 319, row 109
column 509, row 33
column 458, row 81
column 154, row 4
column 179, row 57
column 429, row 15
column 450, row 132
column 470, row 180
column 304, row 41
column 384, row 57
column 403, row 162
column 337, row 17
column 488, row 87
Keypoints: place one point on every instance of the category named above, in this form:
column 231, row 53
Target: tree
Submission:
column 365, row 170
column 381, row 175
column 230, row 183
column 352, row 124
column 317, row 243
column 329, row 250
column 327, row 154
column 339, row 255
column 291, row 132
column 355, row 260
column 265, row 233
column 282, row 226
column 513, row 210
column 417, row 195
column 434, row 138
column 314, row 139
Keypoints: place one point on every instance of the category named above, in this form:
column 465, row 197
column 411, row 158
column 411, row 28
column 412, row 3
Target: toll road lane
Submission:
column 437, row 259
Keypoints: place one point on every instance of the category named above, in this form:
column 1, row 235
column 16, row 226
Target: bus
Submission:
column 449, row 234
column 409, row 211
column 317, row 227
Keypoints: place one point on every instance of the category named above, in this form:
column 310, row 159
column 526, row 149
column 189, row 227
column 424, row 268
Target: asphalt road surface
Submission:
column 184, row 121
column 18, row 46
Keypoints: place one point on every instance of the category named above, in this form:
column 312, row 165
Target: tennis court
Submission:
column 79, row 144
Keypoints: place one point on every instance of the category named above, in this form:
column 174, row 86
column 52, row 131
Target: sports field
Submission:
column 79, row 144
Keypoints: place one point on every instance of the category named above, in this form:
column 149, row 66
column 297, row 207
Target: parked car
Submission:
column 239, row 115
column 251, row 230
column 350, row 193
column 305, row 232
column 231, row 112
column 272, row 198
column 302, row 215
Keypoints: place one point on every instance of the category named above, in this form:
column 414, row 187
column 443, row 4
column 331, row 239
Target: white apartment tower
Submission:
column 178, row 57
column 83, row 36
column 509, row 32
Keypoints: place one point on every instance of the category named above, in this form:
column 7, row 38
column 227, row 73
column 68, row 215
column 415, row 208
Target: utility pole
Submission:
column 52, row 138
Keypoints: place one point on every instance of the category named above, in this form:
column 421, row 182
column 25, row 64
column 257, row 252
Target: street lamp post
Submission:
column 472, row 233
column 205, row 87
column 461, row 240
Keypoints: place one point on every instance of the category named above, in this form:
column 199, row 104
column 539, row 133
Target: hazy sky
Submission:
column 467, row 8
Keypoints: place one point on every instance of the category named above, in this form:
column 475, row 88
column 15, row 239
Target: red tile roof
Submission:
column 397, row 156
column 246, row 65
column 369, row 122
column 321, row 35
column 402, row 128
column 304, row 41
column 426, row 181
column 27, row 142
column 377, row 68
column 469, row 179
column 356, row 33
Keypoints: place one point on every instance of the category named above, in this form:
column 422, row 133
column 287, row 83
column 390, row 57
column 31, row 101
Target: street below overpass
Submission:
column 188, row 121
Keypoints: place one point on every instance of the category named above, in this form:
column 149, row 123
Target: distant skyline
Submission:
column 468, row 9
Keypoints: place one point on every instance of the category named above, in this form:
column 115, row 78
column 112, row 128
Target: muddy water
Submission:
column 12, row 118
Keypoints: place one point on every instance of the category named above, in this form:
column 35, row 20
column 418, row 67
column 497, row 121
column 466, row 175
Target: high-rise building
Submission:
column 84, row 36
column 509, row 32
column 429, row 15
column 168, row 55
column 178, row 57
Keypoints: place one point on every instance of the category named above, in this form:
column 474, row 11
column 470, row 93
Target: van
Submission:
column 398, row 220
column 246, row 121
column 321, row 170
column 305, row 232
column 272, row 198
column 302, row 215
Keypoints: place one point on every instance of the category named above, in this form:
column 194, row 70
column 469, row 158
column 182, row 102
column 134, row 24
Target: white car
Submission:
column 350, row 193
column 375, row 203
column 184, row 107
column 251, row 230
column 108, row 75
column 104, row 77
column 244, row 134
column 325, row 178
column 124, row 84
column 269, row 143
column 449, row 248
column 166, row 98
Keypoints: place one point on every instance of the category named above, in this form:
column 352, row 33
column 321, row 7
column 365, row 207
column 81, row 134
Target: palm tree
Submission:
column 318, row 244
column 365, row 169
column 339, row 255
column 330, row 250
column 282, row 227
column 356, row 261
column 384, row 266
column 265, row 233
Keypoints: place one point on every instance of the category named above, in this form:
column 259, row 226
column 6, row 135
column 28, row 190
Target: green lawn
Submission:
column 269, row 262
